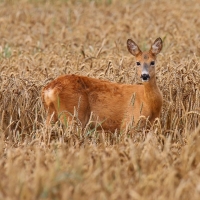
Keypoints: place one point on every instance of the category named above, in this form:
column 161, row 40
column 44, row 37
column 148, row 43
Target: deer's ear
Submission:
column 133, row 47
column 156, row 47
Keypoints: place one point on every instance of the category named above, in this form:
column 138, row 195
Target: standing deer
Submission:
column 111, row 105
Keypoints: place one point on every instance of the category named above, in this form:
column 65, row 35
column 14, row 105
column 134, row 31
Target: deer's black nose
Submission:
column 145, row 77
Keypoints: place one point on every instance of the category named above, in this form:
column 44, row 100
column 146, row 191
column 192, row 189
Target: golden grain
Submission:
column 43, row 39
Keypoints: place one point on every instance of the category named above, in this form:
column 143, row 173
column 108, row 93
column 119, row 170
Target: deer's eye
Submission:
column 152, row 63
column 138, row 63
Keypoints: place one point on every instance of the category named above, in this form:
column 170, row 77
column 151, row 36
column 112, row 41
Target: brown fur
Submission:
column 113, row 106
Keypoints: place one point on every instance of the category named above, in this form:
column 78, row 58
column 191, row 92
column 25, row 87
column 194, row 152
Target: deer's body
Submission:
column 112, row 105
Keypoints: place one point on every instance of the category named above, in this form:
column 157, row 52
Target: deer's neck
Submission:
column 153, row 95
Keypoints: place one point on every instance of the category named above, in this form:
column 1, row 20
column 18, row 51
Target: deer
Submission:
column 107, row 105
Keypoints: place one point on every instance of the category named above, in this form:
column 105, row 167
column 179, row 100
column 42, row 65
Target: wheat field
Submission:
column 40, row 40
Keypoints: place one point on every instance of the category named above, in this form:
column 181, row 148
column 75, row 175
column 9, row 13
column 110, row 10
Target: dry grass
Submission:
column 41, row 40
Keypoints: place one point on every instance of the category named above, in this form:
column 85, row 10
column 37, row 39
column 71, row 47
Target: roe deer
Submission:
column 113, row 105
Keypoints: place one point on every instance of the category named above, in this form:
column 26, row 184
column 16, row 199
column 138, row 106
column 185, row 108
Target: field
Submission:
column 40, row 40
